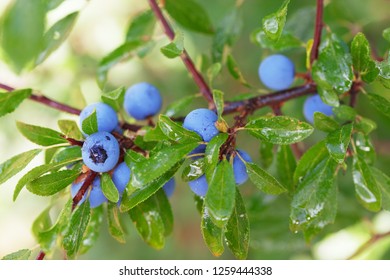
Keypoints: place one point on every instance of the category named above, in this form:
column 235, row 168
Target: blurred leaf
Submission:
column 49, row 153
column 79, row 220
column 9, row 101
column 40, row 135
column 179, row 105
column 367, row 190
column 37, row 172
column 237, row 229
column 174, row 48
column 329, row 96
column 16, row 164
column 234, row 70
column 364, row 125
column 279, row 130
column 141, row 194
column 219, row 103
column 286, row 41
column 22, row 30
column 383, row 182
column 23, row 254
column 213, row 71
column 42, row 222
column 52, row 183
column 212, row 154
column 365, row 148
column 221, row 193
column 159, row 163
column 164, row 209
column 114, row 98
column 90, row 124
column 325, row 123
column 70, row 129
column 266, row 154
column 384, row 72
column 141, row 27
column 380, row 103
column 273, row 24
column 69, row 153
column 285, row 166
column 190, row 15
column 55, row 36
column 177, row 132
column 114, row 226
column 337, row 142
column 52, row 4
column 263, row 180
column 345, row 113
column 310, row 159
column 92, row 231
column 333, row 68
column 361, row 58
column 309, row 47
column 212, row 234
column 314, row 203
column 386, row 34
column 193, row 170
column 108, row 188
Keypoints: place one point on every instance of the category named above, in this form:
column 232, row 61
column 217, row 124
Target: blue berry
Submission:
column 277, row 72
column 96, row 196
column 315, row 104
column 202, row 121
column 121, row 177
column 169, row 187
column 107, row 118
column 239, row 168
column 199, row 186
column 100, row 152
column 142, row 100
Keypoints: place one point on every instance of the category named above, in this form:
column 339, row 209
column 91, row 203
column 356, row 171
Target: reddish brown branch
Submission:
column 375, row 238
column 317, row 31
column 196, row 75
column 90, row 176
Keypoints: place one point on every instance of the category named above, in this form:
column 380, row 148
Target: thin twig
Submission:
column 317, row 31
column 375, row 238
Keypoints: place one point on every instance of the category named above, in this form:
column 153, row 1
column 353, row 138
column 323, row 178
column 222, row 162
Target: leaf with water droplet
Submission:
column 365, row 148
column 176, row 132
column 212, row 154
column 212, row 234
column 193, row 170
column 337, row 142
column 273, row 24
column 263, row 180
column 324, row 122
column 93, row 229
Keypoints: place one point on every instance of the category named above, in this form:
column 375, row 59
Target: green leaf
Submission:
column 219, row 103
column 90, row 124
column 37, row 172
column 314, row 204
column 361, row 58
column 52, row 183
column 193, row 170
column 364, row 125
column 22, row 32
column 365, row 148
column 263, row 180
column 42, row 222
column 221, row 193
column 324, row 122
column 9, row 101
column 344, row 113
column 114, row 226
column 40, row 135
column 309, row 160
column 279, row 130
column 212, row 234
column 177, row 132
column 367, row 190
column 55, row 36
column 213, row 71
column 383, row 182
column 286, row 41
column 273, row 24
column 190, row 15
column 70, row 129
column 69, row 153
column 174, row 48
column 23, row 254
column 164, row 209
column 109, row 189
column 386, row 34
column 234, row 70
column 337, row 142
column 16, row 164
column 212, row 154
column 384, row 72
column 52, row 4
column 139, row 195
column 154, row 134
column 146, row 171
column 266, row 154
column 179, row 105
column 285, row 166
column 332, row 71
column 115, row 98
column 380, row 103
column 237, row 230
column 92, row 231
column 141, row 27
column 79, row 220
column 329, row 96
column 123, row 52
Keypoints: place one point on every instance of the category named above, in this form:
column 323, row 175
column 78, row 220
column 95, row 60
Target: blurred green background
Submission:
column 69, row 76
